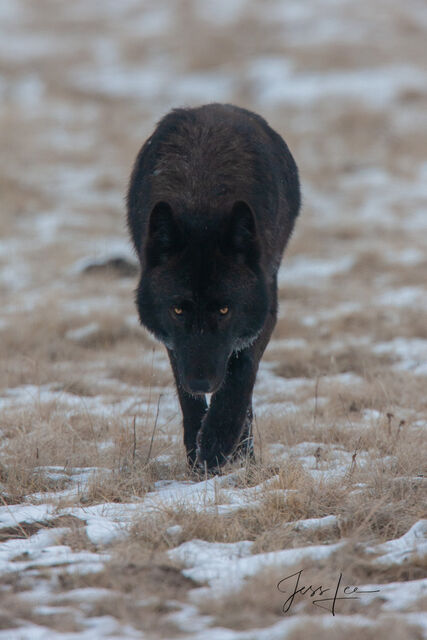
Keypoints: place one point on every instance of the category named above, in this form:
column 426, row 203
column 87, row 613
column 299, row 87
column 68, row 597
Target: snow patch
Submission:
column 412, row 353
column 306, row 271
column 225, row 565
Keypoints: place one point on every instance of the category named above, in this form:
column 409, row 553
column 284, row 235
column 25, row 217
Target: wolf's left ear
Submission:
column 240, row 237
column 164, row 235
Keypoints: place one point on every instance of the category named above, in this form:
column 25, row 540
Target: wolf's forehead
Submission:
column 200, row 293
column 199, row 298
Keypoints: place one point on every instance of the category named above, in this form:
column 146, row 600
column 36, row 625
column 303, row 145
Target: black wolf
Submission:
column 212, row 201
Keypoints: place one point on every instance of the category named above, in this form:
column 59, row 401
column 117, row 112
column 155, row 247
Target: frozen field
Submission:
column 103, row 531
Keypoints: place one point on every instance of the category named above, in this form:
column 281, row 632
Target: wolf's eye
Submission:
column 223, row 311
column 177, row 311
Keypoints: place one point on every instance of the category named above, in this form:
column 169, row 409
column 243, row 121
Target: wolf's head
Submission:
column 202, row 291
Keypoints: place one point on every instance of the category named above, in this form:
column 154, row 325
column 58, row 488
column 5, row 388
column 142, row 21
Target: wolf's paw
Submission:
column 211, row 451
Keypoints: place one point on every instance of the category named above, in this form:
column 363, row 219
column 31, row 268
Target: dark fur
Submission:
column 212, row 201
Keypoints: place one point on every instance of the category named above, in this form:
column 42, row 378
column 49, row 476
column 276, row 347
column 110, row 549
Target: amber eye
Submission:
column 223, row 311
column 177, row 311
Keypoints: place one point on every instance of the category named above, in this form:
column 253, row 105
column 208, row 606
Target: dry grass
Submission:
column 312, row 363
column 48, row 435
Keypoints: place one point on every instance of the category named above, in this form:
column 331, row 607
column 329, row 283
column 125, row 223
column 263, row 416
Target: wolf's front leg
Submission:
column 226, row 426
column 193, row 411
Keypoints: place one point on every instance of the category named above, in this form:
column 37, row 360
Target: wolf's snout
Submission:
column 200, row 385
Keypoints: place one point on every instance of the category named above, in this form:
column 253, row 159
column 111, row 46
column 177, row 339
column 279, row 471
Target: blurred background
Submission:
column 83, row 83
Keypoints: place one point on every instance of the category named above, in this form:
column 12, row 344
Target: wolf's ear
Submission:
column 240, row 236
column 164, row 236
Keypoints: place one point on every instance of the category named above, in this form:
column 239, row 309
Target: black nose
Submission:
column 199, row 385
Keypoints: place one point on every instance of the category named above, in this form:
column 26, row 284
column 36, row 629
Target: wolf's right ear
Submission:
column 164, row 236
column 239, row 237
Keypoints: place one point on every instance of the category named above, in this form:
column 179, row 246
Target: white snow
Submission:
column 375, row 87
column 81, row 333
column 316, row 524
column 402, row 550
column 11, row 515
column 409, row 256
column 404, row 297
column 412, row 353
column 397, row 596
column 225, row 565
column 42, row 550
column 307, row 271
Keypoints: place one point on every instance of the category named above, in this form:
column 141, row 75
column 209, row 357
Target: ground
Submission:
column 104, row 533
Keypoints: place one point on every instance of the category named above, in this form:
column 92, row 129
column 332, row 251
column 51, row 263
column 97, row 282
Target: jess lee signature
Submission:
column 287, row 585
